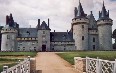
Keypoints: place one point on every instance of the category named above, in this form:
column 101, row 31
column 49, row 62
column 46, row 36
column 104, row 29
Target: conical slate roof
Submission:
column 103, row 14
column 80, row 11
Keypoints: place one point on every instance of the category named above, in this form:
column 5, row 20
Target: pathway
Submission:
column 47, row 62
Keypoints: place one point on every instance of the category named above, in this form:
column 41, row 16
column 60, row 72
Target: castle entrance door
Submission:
column 43, row 48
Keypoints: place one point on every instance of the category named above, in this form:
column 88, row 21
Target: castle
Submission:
column 85, row 34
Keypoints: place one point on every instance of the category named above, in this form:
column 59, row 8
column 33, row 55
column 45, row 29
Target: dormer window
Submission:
column 53, row 37
column 28, row 32
column 8, row 36
column 83, row 26
column 64, row 37
column 43, row 32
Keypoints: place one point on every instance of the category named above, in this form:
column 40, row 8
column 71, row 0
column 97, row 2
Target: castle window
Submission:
column 83, row 26
column 52, row 48
column 93, row 47
column 20, row 43
column 82, row 37
column 93, row 39
column 64, row 37
column 43, row 32
column 33, row 43
column 28, row 32
column 43, row 37
column 8, row 36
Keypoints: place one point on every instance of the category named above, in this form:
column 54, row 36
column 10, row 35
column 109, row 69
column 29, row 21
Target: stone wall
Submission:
column 62, row 46
column 27, row 46
column 105, row 37
column 105, row 34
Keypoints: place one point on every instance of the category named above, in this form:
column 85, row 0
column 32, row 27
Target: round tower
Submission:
column 80, row 29
column 8, row 39
column 105, row 30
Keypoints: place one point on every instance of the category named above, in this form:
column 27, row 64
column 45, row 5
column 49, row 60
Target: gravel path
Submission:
column 47, row 62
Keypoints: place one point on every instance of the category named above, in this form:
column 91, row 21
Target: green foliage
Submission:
column 107, row 55
column 18, row 54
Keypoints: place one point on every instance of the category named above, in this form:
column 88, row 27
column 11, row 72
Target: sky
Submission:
column 60, row 12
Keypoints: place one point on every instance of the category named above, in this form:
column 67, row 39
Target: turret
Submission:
column 80, row 28
column 9, row 34
column 104, row 24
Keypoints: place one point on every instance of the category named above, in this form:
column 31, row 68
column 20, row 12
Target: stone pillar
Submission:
column 5, row 68
column 32, row 65
column 80, row 64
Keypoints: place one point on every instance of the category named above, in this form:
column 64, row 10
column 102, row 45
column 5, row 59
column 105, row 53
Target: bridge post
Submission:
column 5, row 68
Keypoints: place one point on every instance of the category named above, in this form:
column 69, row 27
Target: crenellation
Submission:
column 104, row 22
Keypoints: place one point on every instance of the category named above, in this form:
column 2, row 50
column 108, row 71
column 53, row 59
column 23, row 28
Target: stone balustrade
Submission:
column 93, row 65
column 26, row 66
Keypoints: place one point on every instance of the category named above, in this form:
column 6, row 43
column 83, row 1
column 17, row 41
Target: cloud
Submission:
column 27, row 12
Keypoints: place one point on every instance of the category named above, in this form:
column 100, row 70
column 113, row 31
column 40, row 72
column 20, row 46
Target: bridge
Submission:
column 52, row 63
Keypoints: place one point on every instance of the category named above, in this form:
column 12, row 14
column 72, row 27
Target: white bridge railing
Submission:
column 100, row 66
column 22, row 67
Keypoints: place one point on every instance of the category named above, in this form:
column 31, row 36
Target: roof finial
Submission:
column 103, row 2
column 91, row 12
column 79, row 1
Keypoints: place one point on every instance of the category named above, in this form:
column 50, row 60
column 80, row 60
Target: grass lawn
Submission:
column 9, row 65
column 18, row 54
column 10, row 58
column 69, row 56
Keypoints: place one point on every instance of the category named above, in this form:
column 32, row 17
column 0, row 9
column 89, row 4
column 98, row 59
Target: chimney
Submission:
column 11, row 18
column 67, row 30
column 91, row 12
column 7, row 19
column 48, row 22
column 38, row 22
